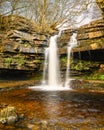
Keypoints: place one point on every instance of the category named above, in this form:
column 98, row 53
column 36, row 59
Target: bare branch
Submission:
column 51, row 14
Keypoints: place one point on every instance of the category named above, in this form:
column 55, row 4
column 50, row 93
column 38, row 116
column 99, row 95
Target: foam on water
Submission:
column 50, row 88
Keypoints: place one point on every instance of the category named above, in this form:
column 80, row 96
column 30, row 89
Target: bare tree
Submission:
column 51, row 14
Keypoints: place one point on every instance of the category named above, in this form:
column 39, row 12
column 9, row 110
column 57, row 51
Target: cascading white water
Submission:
column 53, row 65
column 67, row 81
column 72, row 43
column 46, row 53
column 53, row 70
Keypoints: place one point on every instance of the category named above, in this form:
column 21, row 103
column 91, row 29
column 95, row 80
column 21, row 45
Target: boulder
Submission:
column 8, row 115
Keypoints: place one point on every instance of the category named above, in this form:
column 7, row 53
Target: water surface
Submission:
column 56, row 110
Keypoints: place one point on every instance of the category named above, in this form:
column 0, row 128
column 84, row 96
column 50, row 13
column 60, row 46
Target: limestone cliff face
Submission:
column 21, row 47
column 91, row 39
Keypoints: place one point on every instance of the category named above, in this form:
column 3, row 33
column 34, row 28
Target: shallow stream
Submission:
column 55, row 110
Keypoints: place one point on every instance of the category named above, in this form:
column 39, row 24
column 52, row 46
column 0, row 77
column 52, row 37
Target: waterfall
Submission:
column 51, row 71
column 53, row 67
column 68, row 67
column 44, row 81
column 72, row 43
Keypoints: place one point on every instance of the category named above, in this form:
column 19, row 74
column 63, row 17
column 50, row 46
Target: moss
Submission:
column 8, row 61
column 8, row 113
column 18, row 60
column 96, row 76
column 64, row 59
column 80, row 65
column 37, row 61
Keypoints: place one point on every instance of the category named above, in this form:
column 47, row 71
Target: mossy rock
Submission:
column 8, row 115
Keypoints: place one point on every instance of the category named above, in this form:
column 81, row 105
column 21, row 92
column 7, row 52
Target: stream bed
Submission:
column 54, row 110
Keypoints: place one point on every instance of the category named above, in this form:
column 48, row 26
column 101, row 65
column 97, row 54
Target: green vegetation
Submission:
column 64, row 59
column 95, row 76
column 16, row 61
column 8, row 62
column 91, row 68
column 20, row 60
column 80, row 65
